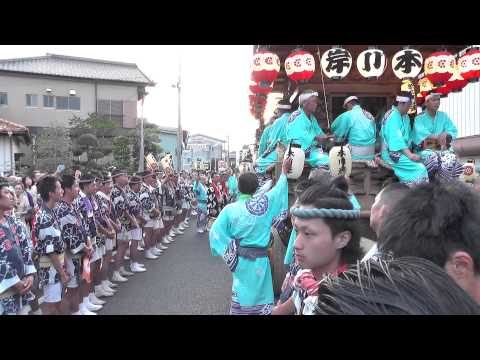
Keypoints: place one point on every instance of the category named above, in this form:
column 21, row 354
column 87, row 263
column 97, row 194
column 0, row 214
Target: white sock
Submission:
column 85, row 301
column 79, row 312
column 37, row 312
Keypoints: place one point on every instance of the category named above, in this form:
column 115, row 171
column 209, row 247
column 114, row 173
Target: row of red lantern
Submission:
column 440, row 67
column 457, row 74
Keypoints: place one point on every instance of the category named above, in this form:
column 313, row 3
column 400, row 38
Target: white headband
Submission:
column 403, row 99
column 284, row 106
column 305, row 96
column 429, row 96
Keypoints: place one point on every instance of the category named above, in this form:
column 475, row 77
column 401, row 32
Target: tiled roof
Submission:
column 8, row 126
column 76, row 67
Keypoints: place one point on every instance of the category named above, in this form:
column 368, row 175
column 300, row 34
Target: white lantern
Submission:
column 371, row 63
column 336, row 63
column 407, row 63
column 298, row 162
column 340, row 164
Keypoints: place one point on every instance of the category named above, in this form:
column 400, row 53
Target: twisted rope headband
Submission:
column 325, row 213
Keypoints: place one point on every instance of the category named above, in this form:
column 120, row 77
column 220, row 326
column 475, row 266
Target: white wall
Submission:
column 18, row 86
column 464, row 109
column 5, row 157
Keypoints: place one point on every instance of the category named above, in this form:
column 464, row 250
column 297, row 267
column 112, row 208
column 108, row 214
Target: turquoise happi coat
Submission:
column 277, row 135
column 264, row 140
column 425, row 125
column 396, row 136
column 358, row 127
column 232, row 185
column 201, row 194
column 249, row 220
column 302, row 130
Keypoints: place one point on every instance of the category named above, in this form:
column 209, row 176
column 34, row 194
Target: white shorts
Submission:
column 52, row 293
column 73, row 271
column 151, row 223
column 109, row 244
column 97, row 255
column 123, row 236
column 135, row 234
column 185, row 204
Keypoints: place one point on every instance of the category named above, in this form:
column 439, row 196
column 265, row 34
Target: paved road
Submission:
column 186, row 279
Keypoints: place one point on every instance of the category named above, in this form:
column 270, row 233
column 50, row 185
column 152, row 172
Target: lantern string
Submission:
column 323, row 86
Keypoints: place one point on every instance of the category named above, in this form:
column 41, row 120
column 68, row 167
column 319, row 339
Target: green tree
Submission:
column 121, row 152
column 53, row 147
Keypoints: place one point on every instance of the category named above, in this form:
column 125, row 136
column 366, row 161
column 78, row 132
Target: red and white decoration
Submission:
column 439, row 67
column 371, row 63
column 265, row 66
column 469, row 65
column 300, row 66
column 456, row 82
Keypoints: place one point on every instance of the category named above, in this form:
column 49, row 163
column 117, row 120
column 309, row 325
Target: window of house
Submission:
column 3, row 98
column 48, row 101
column 31, row 100
column 67, row 102
column 111, row 110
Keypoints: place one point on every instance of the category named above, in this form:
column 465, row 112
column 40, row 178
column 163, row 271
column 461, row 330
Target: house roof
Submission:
column 8, row 126
column 77, row 67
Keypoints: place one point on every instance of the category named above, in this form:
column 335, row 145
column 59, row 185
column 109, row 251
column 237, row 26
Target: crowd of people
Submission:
column 426, row 259
column 65, row 239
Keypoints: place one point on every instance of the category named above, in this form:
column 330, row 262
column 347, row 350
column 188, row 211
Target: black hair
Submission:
column 67, row 181
column 329, row 196
column 248, row 183
column 403, row 286
column 434, row 221
column 404, row 94
column 393, row 193
column 24, row 181
column 3, row 183
column 46, row 186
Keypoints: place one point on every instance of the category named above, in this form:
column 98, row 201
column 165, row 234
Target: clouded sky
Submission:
column 215, row 83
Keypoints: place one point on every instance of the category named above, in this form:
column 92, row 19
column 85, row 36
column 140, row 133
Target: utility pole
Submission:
column 179, row 126
column 141, row 159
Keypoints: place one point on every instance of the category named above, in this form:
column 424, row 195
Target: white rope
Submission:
column 323, row 86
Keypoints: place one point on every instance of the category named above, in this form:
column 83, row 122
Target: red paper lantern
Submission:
column 265, row 66
column 469, row 65
column 456, row 83
column 260, row 88
column 439, row 67
column 300, row 66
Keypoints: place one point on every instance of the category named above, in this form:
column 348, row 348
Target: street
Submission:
column 185, row 280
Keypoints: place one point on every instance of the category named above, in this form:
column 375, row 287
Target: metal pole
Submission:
column 141, row 159
column 180, row 132
column 12, row 156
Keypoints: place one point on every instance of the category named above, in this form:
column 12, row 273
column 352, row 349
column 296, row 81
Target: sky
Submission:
column 215, row 81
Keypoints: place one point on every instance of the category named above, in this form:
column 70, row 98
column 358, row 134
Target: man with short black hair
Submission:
column 150, row 213
column 135, row 230
column 50, row 246
column 122, row 210
column 441, row 223
column 77, row 245
column 385, row 200
column 16, row 265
